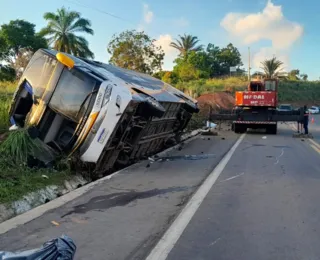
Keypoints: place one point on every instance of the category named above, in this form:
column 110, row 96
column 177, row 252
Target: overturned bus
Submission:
column 104, row 115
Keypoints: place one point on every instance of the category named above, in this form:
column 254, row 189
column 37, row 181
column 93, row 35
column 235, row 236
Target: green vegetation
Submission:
column 196, row 88
column 299, row 92
column 7, row 89
column 186, row 44
column 16, row 179
column 292, row 91
column 61, row 32
column 15, row 182
column 271, row 67
column 18, row 40
column 136, row 51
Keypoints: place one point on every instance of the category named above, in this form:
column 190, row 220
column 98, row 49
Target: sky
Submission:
column 287, row 29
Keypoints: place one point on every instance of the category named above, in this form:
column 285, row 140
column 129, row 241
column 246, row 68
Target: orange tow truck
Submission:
column 257, row 108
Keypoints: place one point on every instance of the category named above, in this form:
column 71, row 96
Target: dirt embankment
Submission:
column 217, row 101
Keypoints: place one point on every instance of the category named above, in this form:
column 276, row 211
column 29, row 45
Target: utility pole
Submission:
column 249, row 73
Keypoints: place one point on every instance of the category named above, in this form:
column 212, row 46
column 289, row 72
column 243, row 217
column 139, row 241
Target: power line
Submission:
column 98, row 10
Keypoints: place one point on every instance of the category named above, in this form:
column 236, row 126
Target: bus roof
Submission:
column 136, row 81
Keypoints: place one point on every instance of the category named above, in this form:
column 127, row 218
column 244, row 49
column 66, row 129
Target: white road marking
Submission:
column 233, row 177
column 171, row 236
column 215, row 242
column 277, row 159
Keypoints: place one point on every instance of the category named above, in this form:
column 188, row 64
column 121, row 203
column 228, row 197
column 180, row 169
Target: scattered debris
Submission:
column 301, row 135
column 211, row 125
column 209, row 132
column 55, row 223
column 186, row 157
column 214, row 242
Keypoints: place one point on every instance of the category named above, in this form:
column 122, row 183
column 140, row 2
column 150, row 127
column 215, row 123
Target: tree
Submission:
column 62, row 29
column 228, row 57
column 3, row 47
column 294, row 74
column 136, row 51
column 7, row 73
column 271, row 67
column 159, row 74
column 186, row 44
column 213, row 57
column 304, row 77
column 17, row 38
column 170, row 77
column 201, row 61
column 186, row 71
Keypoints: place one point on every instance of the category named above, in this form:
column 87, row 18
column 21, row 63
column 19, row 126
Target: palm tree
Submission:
column 186, row 44
column 271, row 67
column 62, row 29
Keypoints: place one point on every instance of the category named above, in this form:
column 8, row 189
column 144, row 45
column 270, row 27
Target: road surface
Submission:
column 263, row 205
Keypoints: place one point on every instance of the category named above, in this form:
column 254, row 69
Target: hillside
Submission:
column 297, row 93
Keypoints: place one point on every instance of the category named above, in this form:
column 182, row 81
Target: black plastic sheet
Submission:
column 62, row 248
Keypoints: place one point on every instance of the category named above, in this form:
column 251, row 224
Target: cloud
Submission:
column 147, row 14
column 164, row 41
column 268, row 53
column 181, row 22
column 270, row 24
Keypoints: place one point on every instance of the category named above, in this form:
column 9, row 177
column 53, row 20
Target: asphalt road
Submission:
column 264, row 204
column 124, row 217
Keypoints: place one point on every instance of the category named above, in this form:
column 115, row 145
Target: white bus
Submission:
column 103, row 115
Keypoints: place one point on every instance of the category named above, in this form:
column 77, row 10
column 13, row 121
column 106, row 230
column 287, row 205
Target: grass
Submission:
column 6, row 92
column 16, row 178
column 15, row 182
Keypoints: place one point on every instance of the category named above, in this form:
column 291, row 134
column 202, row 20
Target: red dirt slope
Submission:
column 218, row 100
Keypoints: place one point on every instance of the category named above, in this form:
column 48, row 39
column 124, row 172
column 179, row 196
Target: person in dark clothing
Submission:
column 305, row 120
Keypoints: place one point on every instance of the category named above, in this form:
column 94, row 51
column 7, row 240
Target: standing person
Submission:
column 305, row 120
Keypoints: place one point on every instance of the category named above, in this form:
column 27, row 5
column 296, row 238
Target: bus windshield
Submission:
column 70, row 97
